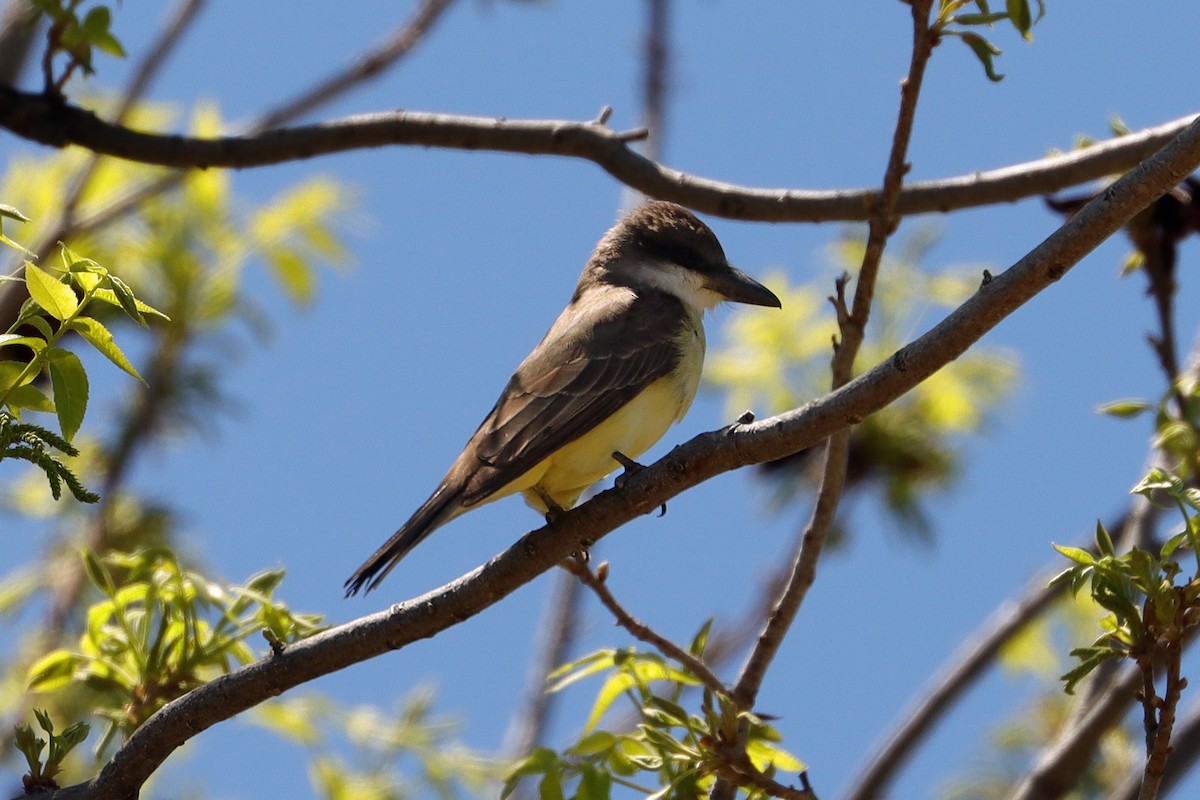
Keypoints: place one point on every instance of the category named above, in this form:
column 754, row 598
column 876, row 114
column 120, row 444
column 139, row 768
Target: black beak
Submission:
column 738, row 287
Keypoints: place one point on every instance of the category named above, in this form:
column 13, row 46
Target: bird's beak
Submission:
column 738, row 287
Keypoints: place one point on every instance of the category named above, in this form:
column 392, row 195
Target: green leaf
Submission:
column 1157, row 478
column 594, row 784
column 57, row 299
column 100, row 338
column 98, row 574
column 1022, row 18
column 551, row 787
column 700, row 640
column 96, row 26
column 293, row 273
column 12, row 339
column 11, row 372
column 1104, row 542
column 979, row 19
column 30, row 397
column 593, row 743
column 70, row 383
column 126, row 300
column 985, row 51
column 1076, row 554
column 52, row 671
column 613, row 688
column 1124, row 409
column 110, row 297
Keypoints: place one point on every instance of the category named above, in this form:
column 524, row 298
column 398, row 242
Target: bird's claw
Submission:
column 631, row 468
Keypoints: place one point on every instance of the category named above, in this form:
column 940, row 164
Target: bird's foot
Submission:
column 631, row 468
column 553, row 509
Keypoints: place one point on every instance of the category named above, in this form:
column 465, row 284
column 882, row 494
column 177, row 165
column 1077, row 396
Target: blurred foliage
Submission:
column 780, row 360
column 160, row 631
column 1015, row 744
column 408, row 753
column 669, row 752
column 1035, row 655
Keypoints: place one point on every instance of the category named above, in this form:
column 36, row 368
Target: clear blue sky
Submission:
column 463, row 259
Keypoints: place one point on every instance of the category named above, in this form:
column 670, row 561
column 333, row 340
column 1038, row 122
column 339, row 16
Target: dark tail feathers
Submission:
column 439, row 509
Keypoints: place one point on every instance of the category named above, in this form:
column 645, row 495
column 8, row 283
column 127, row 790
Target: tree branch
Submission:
column 639, row 630
column 58, row 124
column 696, row 461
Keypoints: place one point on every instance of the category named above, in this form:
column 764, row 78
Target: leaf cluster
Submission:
column 407, row 752
column 41, row 774
column 681, row 751
column 950, row 22
column 160, row 631
column 1150, row 608
column 58, row 304
column 76, row 37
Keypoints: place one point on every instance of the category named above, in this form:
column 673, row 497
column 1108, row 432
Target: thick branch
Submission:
column 54, row 123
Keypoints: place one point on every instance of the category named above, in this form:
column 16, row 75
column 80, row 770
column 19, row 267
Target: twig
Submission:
column 689, row 464
column 852, row 330
column 852, row 323
column 370, row 65
column 960, row 673
column 1187, row 748
column 966, row 666
column 39, row 119
column 1061, row 763
column 640, row 630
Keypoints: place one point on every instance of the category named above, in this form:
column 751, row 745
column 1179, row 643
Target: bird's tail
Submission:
column 439, row 509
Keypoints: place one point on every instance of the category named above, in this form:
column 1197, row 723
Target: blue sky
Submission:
column 461, row 261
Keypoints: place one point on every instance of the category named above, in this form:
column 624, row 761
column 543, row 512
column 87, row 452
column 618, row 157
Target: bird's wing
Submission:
column 579, row 375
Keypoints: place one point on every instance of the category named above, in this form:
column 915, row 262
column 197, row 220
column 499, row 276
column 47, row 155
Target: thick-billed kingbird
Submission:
column 618, row 367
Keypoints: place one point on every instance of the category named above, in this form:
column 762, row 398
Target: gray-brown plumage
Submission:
column 618, row 367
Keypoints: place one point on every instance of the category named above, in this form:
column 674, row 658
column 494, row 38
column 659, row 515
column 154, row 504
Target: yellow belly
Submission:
column 632, row 430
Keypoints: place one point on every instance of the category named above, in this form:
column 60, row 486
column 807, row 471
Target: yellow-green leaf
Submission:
column 110, row 297
column 57, row 299
column 11, row 371
column 52, row 671
column 101, row 338
column 30, row 397
column 70, row 384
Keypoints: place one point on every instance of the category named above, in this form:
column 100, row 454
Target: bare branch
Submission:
column 639, row 630
column 852, row 327
column 692, row 463
column 370, row 65
column 58, row 124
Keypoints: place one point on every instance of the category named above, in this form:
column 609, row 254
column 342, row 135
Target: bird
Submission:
column 619, row 366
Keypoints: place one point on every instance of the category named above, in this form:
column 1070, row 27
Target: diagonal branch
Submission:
column 692, row 463
column 639, row 630
column 852, row 325
column 52, row 122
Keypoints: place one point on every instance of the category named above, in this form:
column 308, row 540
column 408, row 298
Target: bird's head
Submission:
column 664, row 246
